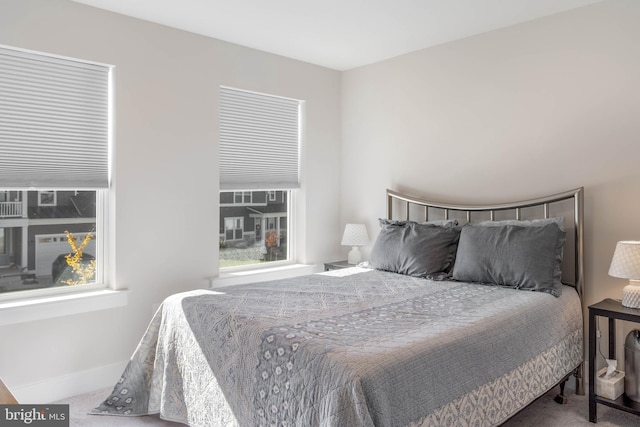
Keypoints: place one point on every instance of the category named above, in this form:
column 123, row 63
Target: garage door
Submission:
column 49, row 246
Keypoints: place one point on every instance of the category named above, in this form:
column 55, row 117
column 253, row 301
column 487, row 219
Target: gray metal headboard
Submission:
column 568, row 205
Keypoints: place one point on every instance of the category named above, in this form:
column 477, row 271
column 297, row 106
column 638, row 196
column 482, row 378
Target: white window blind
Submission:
column 259, row 141
column 53, row 122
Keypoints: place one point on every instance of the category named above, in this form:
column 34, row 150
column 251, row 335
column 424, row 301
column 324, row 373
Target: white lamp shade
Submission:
column 355, row 235
column 626, row 261
column 626, row 265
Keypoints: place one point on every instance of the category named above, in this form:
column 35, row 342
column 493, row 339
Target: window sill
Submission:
column 47, row 307
column 262, row 274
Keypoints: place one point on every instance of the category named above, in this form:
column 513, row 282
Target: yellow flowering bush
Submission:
column 83, row 272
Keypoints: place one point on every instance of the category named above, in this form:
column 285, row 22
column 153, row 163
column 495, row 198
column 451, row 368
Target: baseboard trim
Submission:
column 59, row 388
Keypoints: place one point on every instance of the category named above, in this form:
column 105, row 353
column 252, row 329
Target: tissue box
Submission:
column 610, row 388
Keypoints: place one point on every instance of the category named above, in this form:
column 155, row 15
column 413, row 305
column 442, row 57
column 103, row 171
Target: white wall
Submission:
column 526, row 111
column 165, row 174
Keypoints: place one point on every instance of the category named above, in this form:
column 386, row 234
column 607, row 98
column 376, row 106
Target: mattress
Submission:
column 353, row 347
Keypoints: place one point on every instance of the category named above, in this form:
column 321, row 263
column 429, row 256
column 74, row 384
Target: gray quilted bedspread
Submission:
column 353, row 347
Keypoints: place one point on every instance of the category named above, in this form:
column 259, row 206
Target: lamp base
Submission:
column 631, row 296
column 354, row 256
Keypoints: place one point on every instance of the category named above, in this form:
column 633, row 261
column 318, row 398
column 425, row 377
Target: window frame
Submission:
column 54, row 197
column 291, row 237
column 258, row 177
column 243, row 195
column 101, row 275
column 235, row 227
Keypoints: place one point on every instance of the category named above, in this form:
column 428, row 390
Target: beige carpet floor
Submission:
column 543, row 412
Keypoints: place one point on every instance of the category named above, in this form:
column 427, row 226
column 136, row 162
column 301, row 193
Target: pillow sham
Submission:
column 510, row 255
column 438, row 222
column 414, row 249
column 557, row 273
column 525, row 222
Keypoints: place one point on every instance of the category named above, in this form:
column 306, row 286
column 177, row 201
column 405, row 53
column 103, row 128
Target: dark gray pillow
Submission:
column 557, row 272
column 510, row 255
column 525, row 222
column 420, row 250
column 440, row 222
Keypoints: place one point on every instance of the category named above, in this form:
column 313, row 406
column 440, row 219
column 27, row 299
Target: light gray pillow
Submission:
column 420, row 250
column 510, row 255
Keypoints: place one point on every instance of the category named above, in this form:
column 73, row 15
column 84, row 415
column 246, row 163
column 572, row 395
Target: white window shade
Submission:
column 53, row 122
column 259, row 141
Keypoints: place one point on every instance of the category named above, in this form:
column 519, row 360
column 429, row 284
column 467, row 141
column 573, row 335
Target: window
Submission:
column 242, row 197
column 260, row 235
column 53, row 170
column 46, row 198
column 233, row 228
column 259, row 169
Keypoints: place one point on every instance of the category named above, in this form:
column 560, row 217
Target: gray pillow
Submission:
column 440, row 222
column 525, row 222
column 420, row 250
column 557, row 272
column 510, row 255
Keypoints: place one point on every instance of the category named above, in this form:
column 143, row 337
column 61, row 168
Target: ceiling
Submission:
column 338, row 34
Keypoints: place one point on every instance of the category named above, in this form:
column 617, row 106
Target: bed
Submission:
column 393, row 342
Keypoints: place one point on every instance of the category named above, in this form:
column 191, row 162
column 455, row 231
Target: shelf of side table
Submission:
column 613, row 310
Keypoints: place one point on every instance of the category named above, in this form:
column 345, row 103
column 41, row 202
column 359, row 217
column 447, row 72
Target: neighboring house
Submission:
column 247, row 216
column 33, row 225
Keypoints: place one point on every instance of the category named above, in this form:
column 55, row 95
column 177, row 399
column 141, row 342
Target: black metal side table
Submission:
column 336, row 265
column 612, row 309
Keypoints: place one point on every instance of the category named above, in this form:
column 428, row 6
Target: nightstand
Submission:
column 337, row 265
column 612, row 309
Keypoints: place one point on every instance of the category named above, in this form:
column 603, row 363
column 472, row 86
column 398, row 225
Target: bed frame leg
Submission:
column 561, row 398
column 579, row 374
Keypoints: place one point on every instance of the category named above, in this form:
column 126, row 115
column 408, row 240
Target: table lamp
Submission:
column 626, row 265
column 355, row 235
